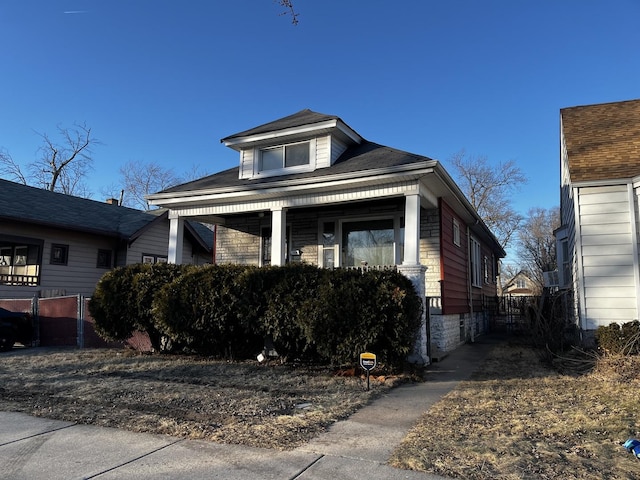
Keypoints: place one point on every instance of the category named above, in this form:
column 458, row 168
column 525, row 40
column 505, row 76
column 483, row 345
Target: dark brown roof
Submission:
column 602, row 141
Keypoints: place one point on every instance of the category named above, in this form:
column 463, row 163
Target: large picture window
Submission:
column 370, row 242
column 286, row 156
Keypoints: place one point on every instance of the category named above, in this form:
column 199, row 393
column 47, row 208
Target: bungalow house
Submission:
column 309, row 188
column 598, row 238
column 54, row 244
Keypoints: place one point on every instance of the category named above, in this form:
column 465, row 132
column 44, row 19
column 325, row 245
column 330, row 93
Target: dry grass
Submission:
column 273, row 406
column 516, row 419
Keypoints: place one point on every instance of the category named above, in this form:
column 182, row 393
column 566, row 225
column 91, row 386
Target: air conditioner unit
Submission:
column 551, row 279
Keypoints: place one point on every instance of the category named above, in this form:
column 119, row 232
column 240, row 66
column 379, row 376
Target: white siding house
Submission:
column 598, row 239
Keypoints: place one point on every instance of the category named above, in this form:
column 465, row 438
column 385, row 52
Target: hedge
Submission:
column 229, row 311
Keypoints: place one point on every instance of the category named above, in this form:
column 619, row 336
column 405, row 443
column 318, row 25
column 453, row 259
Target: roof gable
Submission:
column 602, row 141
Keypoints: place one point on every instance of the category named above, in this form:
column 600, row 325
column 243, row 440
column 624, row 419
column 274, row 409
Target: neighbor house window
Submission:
column 104, row 259
column 286, row 156
column 59, row 254
column 476, row 264
column 20, row 261
column 521, row 283
column 456, row 232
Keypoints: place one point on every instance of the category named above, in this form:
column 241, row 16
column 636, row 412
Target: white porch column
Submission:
column 412, row 230
column 176, row 236
column 416, row 273
column 278, row 233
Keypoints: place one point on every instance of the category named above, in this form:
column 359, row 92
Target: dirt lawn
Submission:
column 247, row 403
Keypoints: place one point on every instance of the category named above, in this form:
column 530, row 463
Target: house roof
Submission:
column 355, row 160
column 303, row 117
column 362, row 161
column 602, row 141
column 42, row 207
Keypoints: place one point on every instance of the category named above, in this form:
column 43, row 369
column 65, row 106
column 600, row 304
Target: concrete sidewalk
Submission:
column 357, row 448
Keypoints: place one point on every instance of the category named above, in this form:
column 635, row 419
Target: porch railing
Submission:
column 12, row 279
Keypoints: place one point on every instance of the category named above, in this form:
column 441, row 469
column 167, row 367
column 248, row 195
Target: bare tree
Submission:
column 288, row 5
column 63, row 165
column 10, row 169
column 536, row 246
column 489, row 188
column 140, row 179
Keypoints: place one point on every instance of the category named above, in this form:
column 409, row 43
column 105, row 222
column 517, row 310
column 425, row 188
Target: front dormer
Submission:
column 302, row 142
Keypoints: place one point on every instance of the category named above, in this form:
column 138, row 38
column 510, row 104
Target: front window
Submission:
column 20, row 262
column 278, row 158
column 369, row 242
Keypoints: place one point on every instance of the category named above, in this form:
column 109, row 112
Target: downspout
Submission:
column 469, row 282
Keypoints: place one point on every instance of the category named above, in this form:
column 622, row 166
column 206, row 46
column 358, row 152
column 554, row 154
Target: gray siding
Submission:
column 79, row 276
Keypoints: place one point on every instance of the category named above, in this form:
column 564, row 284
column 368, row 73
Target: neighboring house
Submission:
column 56, row 244
column 600, row 183
column 310, row 189
column 520, row 285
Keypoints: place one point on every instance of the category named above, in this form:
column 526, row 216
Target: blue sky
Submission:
column 164, row 81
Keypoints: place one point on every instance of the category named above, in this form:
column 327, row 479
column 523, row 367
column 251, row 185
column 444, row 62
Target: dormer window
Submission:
column 285, row 156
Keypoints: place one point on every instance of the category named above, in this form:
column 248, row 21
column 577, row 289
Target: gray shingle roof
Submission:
column 34, row 205
column 303, row 117
column 358, row 158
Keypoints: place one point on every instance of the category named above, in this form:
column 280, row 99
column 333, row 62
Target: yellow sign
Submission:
column 368, row 360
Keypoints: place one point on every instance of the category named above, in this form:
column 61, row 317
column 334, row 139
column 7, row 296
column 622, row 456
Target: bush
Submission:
column 146, row 284
column 113, row 304
column 615, row 339
column 204, row 310
column 354, row 312
column 281, row 292
column 229, row 311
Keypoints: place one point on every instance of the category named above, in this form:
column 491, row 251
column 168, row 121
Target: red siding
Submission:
column 453, row 259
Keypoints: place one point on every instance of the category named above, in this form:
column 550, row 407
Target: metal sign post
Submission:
column 368, row 362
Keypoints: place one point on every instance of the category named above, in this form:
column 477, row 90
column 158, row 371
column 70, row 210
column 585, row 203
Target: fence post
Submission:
column 35, row 316
column 80, row 317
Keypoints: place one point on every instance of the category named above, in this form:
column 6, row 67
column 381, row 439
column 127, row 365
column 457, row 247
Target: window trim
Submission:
column 456, row 232
column 475, row 262
column 309, row 166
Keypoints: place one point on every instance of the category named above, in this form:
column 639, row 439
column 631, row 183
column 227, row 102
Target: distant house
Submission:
column 309, row 188
column 56, row 244
column 520, row 285
column 600, row 184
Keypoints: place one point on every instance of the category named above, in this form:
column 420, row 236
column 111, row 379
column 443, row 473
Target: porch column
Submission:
column 412, row 229
column 416, row 273
column 176, row 235
column 278, row 233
